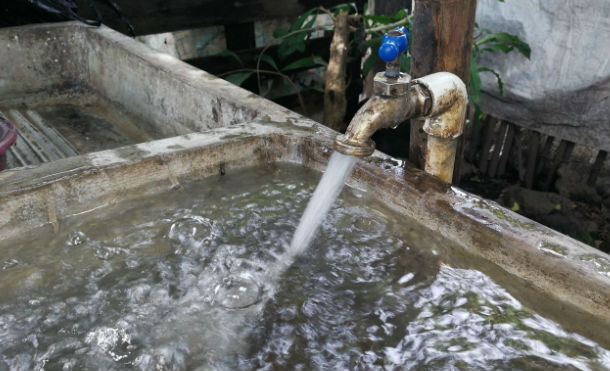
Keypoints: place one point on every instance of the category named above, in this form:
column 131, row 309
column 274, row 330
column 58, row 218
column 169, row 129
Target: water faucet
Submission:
column 439, row 98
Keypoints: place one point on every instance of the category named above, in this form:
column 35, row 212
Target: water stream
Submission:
column 338, row 170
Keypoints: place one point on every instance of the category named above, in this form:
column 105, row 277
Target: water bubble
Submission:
column 189, row 234
column 76, row 238
column 238, row 292
column 10, row 263
column 106, row 253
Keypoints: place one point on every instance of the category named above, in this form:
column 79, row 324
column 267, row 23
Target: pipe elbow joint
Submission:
column 449, row 99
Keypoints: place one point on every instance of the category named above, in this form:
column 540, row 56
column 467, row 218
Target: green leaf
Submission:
column 299, row 23
column 386, row 19
column 474, row 92
column 498, row 78
column 286, row 84
column 238, row 78
column 310, row 22
column 368, row 64
column 317, row 87
column 307, row 62
column 478, row 115
column 505, row 42
column 402, row 13
column 475, row 83
column 279, row 32
column 374, row 43
column 290, row 45
column 377, row 18
column 267, row 59
column 319, row 60
column 228, row 53
column 296, row 42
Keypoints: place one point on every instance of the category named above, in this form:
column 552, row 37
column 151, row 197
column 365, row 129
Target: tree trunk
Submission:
column 335, row 102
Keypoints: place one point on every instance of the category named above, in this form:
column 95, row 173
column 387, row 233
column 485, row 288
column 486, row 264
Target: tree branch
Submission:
column 335, row 102
column 388, row 26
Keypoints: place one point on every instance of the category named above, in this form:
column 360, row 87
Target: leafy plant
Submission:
column 292, row 41
column 486, row 41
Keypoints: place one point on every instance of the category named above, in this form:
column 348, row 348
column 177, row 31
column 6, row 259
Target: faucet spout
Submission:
column 381, row 111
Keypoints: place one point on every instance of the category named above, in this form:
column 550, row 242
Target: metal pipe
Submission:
column 442, row 41
column 439, row 98
column 377, row 113
column 444, row 124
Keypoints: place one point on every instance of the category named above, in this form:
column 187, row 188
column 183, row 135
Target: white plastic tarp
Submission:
column 564, row 88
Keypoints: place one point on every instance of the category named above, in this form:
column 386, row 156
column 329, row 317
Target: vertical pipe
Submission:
column 442, row 41
column 440, row 157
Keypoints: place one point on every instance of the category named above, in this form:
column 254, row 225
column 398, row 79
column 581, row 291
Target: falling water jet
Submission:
column 338, row 170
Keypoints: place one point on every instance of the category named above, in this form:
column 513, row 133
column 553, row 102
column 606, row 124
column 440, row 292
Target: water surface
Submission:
column 193, row 280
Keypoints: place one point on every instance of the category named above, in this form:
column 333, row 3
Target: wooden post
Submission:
column 335, row 101
column 442, row 41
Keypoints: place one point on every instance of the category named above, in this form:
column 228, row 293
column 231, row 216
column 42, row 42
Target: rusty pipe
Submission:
column 444, row 123
column 379, row 112
column 439, row 98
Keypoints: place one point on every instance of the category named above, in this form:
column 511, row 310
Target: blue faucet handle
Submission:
column 393, row 43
